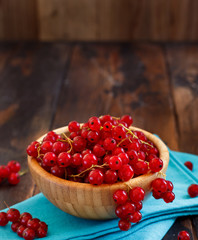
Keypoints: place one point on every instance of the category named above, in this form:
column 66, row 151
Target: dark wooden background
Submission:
column 99, row 20
column 45, row 85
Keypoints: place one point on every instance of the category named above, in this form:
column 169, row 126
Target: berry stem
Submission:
column 21, row 173
column 93, row 166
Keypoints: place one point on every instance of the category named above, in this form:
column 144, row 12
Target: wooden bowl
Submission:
column 86, row 200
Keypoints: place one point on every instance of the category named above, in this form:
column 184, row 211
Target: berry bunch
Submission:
column 102, row 150
column 128, row 206
column 10, row 172
column 23, row 224
column 163, row 189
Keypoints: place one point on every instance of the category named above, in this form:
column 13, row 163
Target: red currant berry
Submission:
column 135, row 217
column 149, row 157
column 20, row 230
column 59, row 147
column 117, row 151
column 183, row 235
column 156, row 164
column 86, row 151
column 4, row 171
column 124, row 225
column 169, row 186
column 168, row 197
column 109, row 144
column 127, row 119
column 51, row 136
column 133, row 156
column 127, row 209
column 96, row 177
column 44, row 166
column 189, row 165
column 28, row 234
column 118, row 211
column 105, row 118
column 140, row 135
column 41, row 232
column 94, row 124
column 3, row 219
column 64, row 159
column 138, row 206
column 120, row 196
column 159, row 185
column 107, row 126
column 33, row 223
column 125, row 173
column 141, row 155
column 74, row 126
column 43, row 225
column 14, row 178
column 115, row 163
column 84, row 133
column 134, row 146
column 13, row 215
column 57, row 171
column 24, row 218
column 14, row 166
column 110, row 176
column 79, row 144
column 124, row 157
column 46, row 147
column 50, row 159
column 153, row 150
column 98, row 150
column 157, row 195
column 15, row 226
column 76, row 159
column 136, row 194
column 193, row 190
column 32, row 149
column 140, row 167
column 118, row 133
column 89, row 160
column 93, row 136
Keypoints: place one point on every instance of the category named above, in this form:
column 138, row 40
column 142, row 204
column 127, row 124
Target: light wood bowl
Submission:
column 85, row 200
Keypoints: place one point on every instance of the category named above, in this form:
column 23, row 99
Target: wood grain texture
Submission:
column 18, row 20
column 99, row 20
column 183, row 63
column 30, row 81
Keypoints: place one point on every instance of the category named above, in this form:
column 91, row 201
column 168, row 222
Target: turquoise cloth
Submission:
column 158, row 216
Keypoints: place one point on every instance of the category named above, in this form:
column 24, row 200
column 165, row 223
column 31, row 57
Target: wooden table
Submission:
column 45, row 85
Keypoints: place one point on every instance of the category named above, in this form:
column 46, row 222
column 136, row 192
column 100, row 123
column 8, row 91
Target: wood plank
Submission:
column 109, row 20
column 19, row 20
column 182, row 61
column 30, row 83
column 67, row 19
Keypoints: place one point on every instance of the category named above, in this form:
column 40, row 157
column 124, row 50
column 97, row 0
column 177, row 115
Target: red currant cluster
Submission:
column 163, row 189
column 129, row 206
column 103, row 150
column 10, row 172
column 23, row 224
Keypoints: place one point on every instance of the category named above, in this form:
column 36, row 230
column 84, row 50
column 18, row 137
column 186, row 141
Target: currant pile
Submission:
column 10, row 172
column 103, row 150
column 23, row 224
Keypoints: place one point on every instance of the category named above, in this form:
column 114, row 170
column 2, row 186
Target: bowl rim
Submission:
column 163, row 154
